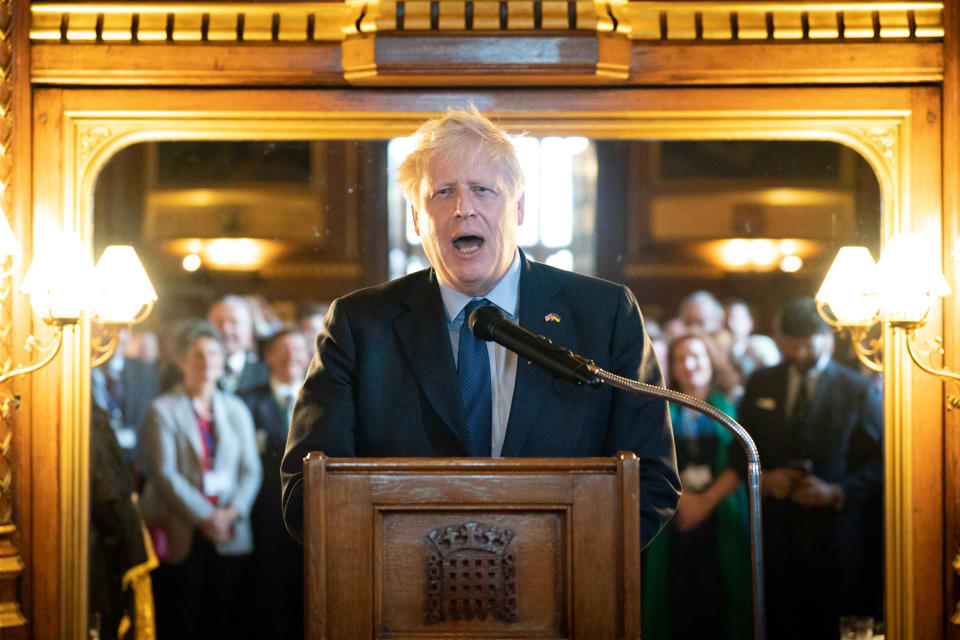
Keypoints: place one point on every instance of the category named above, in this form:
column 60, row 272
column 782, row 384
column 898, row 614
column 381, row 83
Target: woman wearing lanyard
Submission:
column 203, row 475
column 696, row 572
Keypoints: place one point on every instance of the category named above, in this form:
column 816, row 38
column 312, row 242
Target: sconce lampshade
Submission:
column 122, row 286
column 850, row 288
column 8, row 242
column 60, row 279
column 910, row 278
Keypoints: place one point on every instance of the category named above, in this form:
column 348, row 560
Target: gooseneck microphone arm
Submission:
column 753, row 476
column 488, row 323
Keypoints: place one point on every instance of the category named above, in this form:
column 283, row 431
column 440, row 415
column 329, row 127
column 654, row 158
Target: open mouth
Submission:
column 467, row 244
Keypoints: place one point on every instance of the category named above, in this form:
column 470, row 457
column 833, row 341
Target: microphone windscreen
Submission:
column 482, row 320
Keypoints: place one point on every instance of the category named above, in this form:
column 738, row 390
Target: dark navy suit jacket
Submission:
column 271, row 429
column 278, row 559
column 383, row 384
column 140, row 386
column 820, row 553
column 842, row 436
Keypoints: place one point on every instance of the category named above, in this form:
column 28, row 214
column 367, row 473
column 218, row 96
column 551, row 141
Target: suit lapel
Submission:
column 276, row 421
column 423, row 337
column 817, row 402
column 539, row 298
column 225, row 453
column 780, row 385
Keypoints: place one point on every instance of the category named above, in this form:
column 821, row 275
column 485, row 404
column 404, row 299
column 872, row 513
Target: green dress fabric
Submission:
column 732, row 548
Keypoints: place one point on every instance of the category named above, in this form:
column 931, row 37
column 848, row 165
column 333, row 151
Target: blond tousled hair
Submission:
column 445, row 138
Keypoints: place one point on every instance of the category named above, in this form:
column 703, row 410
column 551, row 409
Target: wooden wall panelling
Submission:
column 48, row 592
column 923, row 444
column 950, row 124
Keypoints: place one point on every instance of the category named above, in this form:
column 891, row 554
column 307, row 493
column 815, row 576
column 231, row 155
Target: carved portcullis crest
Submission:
column 471, row 574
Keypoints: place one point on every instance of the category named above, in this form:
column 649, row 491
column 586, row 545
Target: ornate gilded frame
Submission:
column 84, row 137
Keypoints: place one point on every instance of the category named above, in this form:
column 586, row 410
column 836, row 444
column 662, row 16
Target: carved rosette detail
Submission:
column 471, row 574
column 90, row 139
column 883, row 139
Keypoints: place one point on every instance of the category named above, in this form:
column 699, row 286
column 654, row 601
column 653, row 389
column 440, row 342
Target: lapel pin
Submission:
column 551, row 317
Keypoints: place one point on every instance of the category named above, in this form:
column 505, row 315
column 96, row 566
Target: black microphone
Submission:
column 488, row 323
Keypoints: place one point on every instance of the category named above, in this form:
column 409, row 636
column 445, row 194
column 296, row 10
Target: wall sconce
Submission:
column 123, row 296
column 857, row 295
column 64, row 287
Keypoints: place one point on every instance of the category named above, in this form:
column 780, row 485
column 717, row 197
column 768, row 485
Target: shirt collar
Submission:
column 505, row 294
column 283, row 390
column 236, row 362
column 115, row 366
column 813, row 373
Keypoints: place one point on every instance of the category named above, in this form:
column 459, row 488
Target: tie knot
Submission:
column 473, row 304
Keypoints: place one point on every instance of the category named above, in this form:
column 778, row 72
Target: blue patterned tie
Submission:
column 473, row 376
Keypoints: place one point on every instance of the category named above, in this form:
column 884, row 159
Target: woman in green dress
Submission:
column 696, row 572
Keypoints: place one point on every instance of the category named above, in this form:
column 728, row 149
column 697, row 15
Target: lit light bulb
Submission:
column 191, row 262
column 791, row 264
column 60, row 280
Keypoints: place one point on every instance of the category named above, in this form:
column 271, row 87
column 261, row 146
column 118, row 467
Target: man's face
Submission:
column 235, row 326
column 468, row 222
column 288, row 358
column 803, row 353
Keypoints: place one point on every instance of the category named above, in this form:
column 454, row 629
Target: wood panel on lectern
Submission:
column 468, row 548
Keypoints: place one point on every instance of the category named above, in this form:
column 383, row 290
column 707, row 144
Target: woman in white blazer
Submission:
column 203, row 475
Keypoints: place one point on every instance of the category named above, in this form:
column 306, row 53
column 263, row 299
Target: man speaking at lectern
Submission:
column 397, row 372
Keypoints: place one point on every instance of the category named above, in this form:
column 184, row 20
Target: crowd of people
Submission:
column 195, row 422
column 818, row 428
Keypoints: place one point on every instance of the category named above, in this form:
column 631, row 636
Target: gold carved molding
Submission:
column 485, row 42
column 90, row 137
column 779, row 21
column 258, row 23
column 11, row 564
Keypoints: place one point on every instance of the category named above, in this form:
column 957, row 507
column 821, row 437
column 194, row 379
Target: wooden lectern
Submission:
column 520, row 548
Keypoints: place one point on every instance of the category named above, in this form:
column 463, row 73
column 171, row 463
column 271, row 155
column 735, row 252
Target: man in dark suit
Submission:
column 242, row 370
column 278, row 559
column 386, row 377
column 124, row 387
column 818, row 426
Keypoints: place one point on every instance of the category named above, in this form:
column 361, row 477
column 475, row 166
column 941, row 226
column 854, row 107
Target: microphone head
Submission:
column 482, row 319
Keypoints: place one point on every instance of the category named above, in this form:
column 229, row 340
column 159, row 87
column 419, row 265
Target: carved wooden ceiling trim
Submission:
column 485, row 42
column 758, row 21
column 257, row 23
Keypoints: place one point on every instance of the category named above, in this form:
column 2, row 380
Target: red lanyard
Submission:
column 206, row 440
